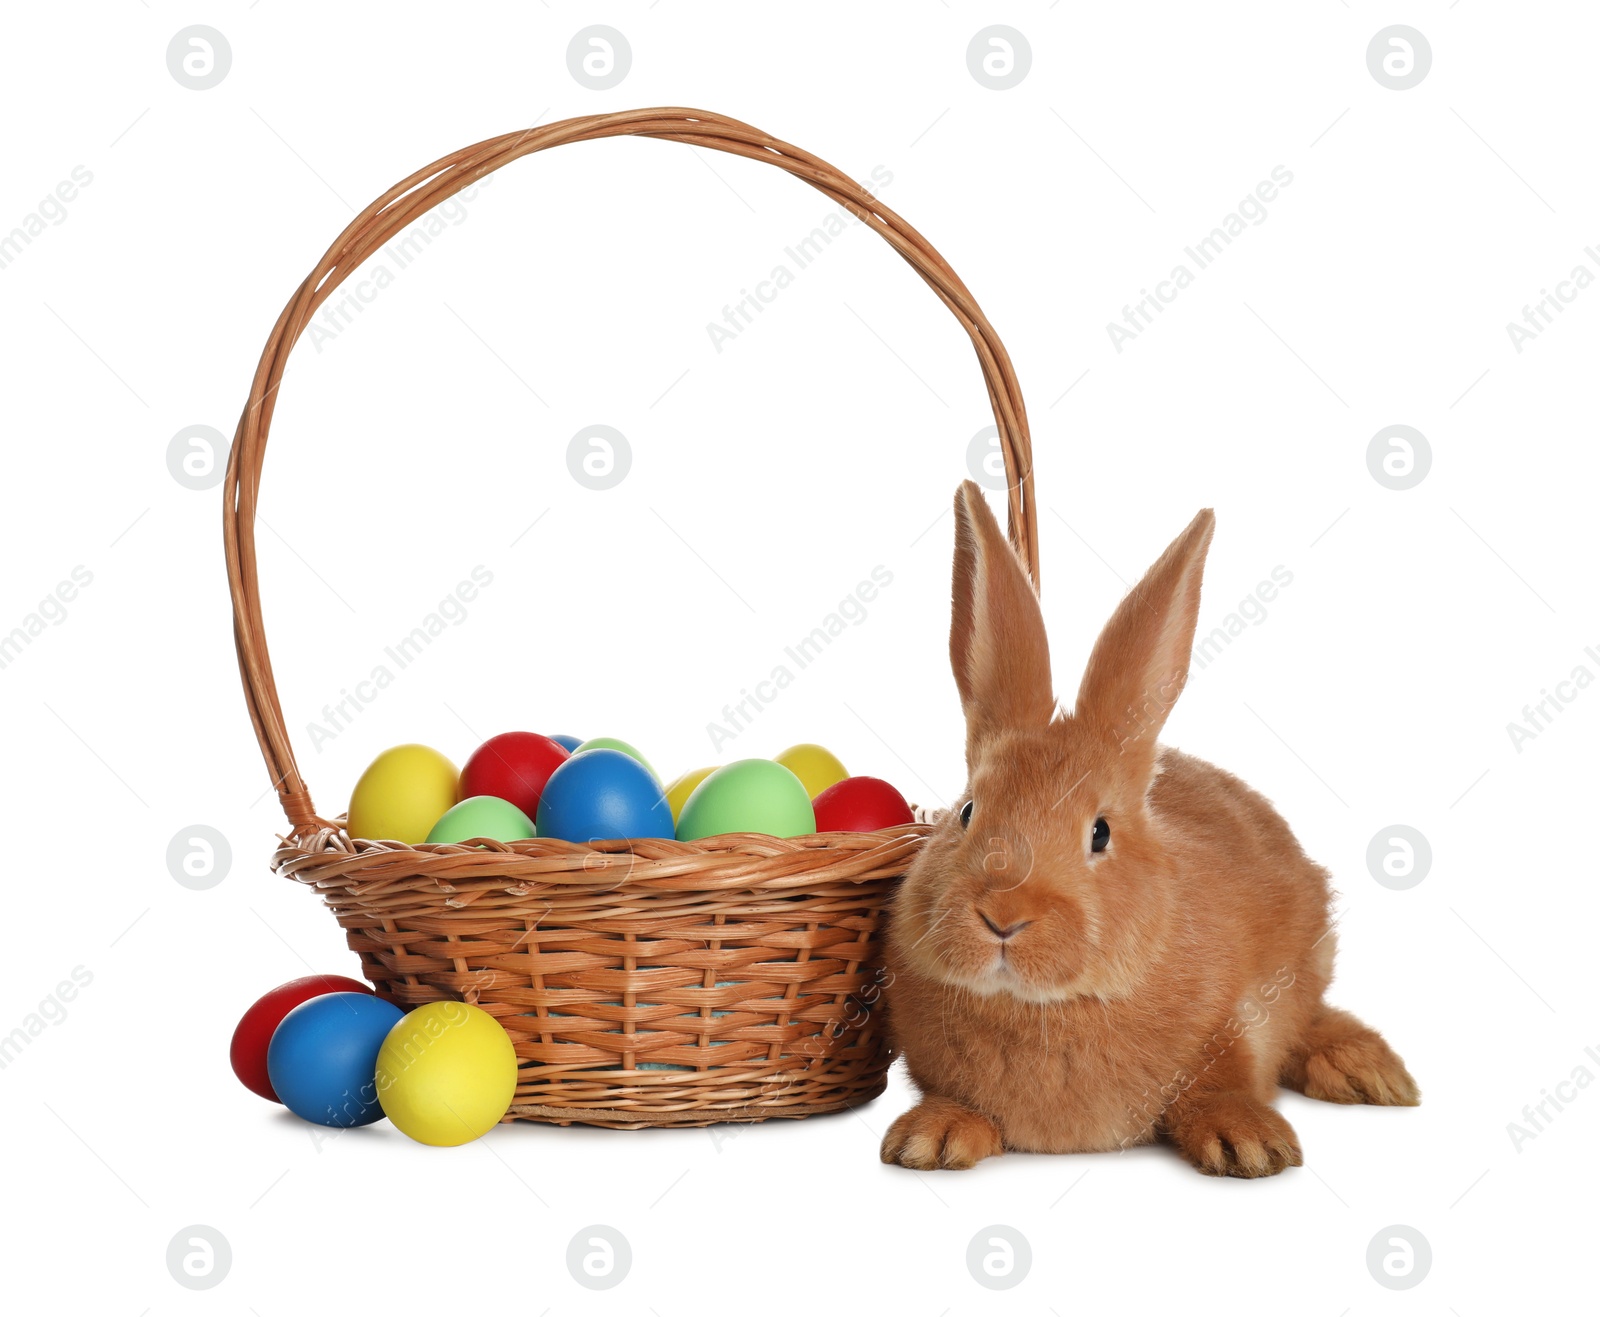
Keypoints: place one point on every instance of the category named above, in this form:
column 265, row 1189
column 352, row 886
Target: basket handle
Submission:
column 397, row 208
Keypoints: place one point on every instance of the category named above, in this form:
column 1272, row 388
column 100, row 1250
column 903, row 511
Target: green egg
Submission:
column 611, row 743
column 482, row 816
column 750, row 795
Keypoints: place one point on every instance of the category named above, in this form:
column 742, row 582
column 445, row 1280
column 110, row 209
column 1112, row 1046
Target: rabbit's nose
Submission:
column 1007, row 932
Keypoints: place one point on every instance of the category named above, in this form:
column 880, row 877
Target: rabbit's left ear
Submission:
column 998, row 649
column 1141, row 661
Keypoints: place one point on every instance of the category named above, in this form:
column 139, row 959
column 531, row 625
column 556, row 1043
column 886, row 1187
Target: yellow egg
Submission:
column 403, row 793
column 679, row 788
column 817, row 769
column 446, row 1073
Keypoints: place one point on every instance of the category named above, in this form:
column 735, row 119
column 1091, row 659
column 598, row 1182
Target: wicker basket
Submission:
column 643, row 982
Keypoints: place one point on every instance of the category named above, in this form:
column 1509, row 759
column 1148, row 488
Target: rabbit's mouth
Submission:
column 1034, row 961
column 1005, row 978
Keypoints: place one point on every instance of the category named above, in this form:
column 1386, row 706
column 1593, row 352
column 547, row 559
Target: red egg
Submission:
column 860, row 804
column 514, row 766
column 249, row 1051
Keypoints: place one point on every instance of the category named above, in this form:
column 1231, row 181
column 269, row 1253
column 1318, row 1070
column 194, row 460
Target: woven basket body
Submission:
column 641, row 982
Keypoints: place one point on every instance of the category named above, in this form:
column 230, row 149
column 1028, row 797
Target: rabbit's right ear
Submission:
column 998, row 649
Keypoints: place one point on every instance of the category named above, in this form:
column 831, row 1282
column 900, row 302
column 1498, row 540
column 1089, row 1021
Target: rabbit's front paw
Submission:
column 938, row 1134
column 1233, row 1134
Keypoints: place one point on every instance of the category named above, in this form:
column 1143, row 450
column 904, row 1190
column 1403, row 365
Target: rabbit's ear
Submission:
column 998, row 649
column 1141, row 661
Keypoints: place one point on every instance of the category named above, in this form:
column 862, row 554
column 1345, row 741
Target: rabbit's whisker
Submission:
column 930, row 932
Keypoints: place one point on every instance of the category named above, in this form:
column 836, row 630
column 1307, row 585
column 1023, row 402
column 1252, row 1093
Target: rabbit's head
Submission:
column 1051, row 878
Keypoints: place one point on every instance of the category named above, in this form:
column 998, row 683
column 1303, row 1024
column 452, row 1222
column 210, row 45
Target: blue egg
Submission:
column 600, row 795
column 568, row 743
column 323, row 1058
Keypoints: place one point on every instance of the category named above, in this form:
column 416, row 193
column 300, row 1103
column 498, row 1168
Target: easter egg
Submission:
column 446, row 1073
column 482, row 816
column 817, row 769
column 750, row 795
column 323, row 1055
column 248, row 1052
column 602, row 794
column 679, row 788
column 567, row 743
column 514, row 766
column 611, row 743
column 402, row 794
column 860, row 804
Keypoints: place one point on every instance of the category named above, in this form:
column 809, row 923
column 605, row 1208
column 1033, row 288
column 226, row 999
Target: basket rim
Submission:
column 748, row 861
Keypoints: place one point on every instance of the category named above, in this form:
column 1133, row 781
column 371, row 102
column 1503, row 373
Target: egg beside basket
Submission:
column 645, row 982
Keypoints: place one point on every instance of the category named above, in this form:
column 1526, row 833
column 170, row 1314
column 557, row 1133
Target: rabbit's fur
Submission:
column 1052, row 998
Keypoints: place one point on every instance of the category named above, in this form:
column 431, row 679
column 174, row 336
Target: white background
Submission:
column 767, row 480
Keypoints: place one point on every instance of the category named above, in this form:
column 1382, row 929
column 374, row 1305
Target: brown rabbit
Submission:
column 1109, row 941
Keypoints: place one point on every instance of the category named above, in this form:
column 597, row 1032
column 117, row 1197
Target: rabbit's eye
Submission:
column 966, row 814
column 1102, row 835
